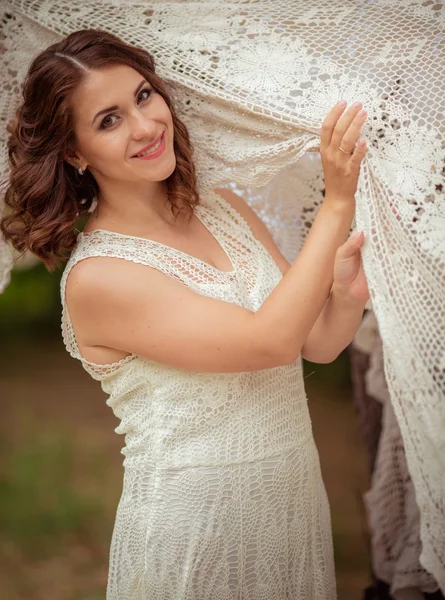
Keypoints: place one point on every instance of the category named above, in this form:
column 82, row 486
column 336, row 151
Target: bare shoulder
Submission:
column 89, row 276
column 100, row 280
column 257, row 226
column 100, row 290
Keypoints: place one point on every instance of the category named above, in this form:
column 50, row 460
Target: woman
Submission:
column 196, row 333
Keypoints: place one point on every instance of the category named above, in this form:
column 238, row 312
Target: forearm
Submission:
column 334, row 329
column 291, row 310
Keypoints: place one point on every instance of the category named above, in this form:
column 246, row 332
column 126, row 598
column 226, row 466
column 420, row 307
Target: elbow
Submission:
column 326, row 360
column 278, row 350
column 318, row 357
column 285, row 355
column 292, row 356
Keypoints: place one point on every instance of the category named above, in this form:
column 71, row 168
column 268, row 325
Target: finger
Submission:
column 329, row 123
column 343, row 124
column 359, row 238
column 352, row 133
column 359, row 153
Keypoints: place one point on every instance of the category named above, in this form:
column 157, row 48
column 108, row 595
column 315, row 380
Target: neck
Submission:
column 141, row 208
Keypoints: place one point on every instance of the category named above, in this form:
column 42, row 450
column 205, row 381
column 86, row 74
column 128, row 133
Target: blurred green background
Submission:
column 61, row 467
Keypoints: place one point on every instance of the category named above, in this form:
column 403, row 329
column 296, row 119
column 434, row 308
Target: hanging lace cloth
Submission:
column 253, row 81
column 393, row 514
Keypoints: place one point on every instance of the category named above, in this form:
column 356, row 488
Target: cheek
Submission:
column 108, row 147
column 163, row 113
column 171, row 121
column 171, row 127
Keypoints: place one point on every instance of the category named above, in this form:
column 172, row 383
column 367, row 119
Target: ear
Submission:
column 76, row 160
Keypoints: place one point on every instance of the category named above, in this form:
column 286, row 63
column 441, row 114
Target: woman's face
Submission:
column 117, row 114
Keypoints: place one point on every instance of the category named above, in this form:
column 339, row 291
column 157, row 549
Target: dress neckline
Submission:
column 199, row 208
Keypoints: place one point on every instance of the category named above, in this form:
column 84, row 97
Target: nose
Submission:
column 142, row 127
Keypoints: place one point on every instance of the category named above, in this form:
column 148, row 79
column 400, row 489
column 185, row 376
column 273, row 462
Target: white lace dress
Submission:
column 223, row 497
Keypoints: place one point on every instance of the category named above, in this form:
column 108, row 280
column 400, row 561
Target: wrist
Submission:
column 343, row 294
column 340, row 203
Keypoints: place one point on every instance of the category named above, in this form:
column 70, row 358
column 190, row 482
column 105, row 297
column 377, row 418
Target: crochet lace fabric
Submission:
column 223, row 495
column 393, row 514
column 253, row 81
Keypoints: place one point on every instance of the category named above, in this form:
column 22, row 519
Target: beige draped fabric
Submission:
column 253, row 81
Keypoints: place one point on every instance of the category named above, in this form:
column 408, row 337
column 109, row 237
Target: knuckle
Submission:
column 327, row 151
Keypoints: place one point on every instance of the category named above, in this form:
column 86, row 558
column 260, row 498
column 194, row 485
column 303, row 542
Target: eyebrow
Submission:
column 105, row 110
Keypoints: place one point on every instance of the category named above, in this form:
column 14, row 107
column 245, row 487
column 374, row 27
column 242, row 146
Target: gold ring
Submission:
column 345, row 152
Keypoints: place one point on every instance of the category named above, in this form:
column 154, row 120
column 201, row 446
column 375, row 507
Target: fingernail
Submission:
column 341, row 103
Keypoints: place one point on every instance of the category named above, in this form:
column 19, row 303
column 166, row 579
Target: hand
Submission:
column 341, row 170
column 349, row 276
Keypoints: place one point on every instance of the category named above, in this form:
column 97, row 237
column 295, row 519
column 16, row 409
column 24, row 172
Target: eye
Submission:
column 104, row 124
column 146, row 91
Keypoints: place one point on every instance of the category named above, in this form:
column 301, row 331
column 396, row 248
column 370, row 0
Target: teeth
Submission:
column 150, row 150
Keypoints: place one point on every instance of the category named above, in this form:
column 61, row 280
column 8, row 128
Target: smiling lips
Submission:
column 152, row 150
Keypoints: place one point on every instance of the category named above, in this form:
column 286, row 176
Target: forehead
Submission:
column 101, row 88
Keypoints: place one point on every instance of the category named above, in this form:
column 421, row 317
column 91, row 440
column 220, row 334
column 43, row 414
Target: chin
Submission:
column 169, row 168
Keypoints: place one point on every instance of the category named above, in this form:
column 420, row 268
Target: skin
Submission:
column 202, row 333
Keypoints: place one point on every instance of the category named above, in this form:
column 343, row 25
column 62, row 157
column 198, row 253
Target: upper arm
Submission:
column 257, row 226
column 134, row 308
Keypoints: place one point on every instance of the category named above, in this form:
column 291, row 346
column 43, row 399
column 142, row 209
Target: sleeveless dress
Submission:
column 222, row 497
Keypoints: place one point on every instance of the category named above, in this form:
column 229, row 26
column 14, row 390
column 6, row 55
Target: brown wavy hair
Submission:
column 45, row 194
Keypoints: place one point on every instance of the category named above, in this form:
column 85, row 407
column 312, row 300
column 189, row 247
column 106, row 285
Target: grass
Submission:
column 55, row 519
column 39, row 501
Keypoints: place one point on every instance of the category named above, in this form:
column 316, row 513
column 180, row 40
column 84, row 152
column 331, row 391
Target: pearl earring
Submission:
column 80, row 171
